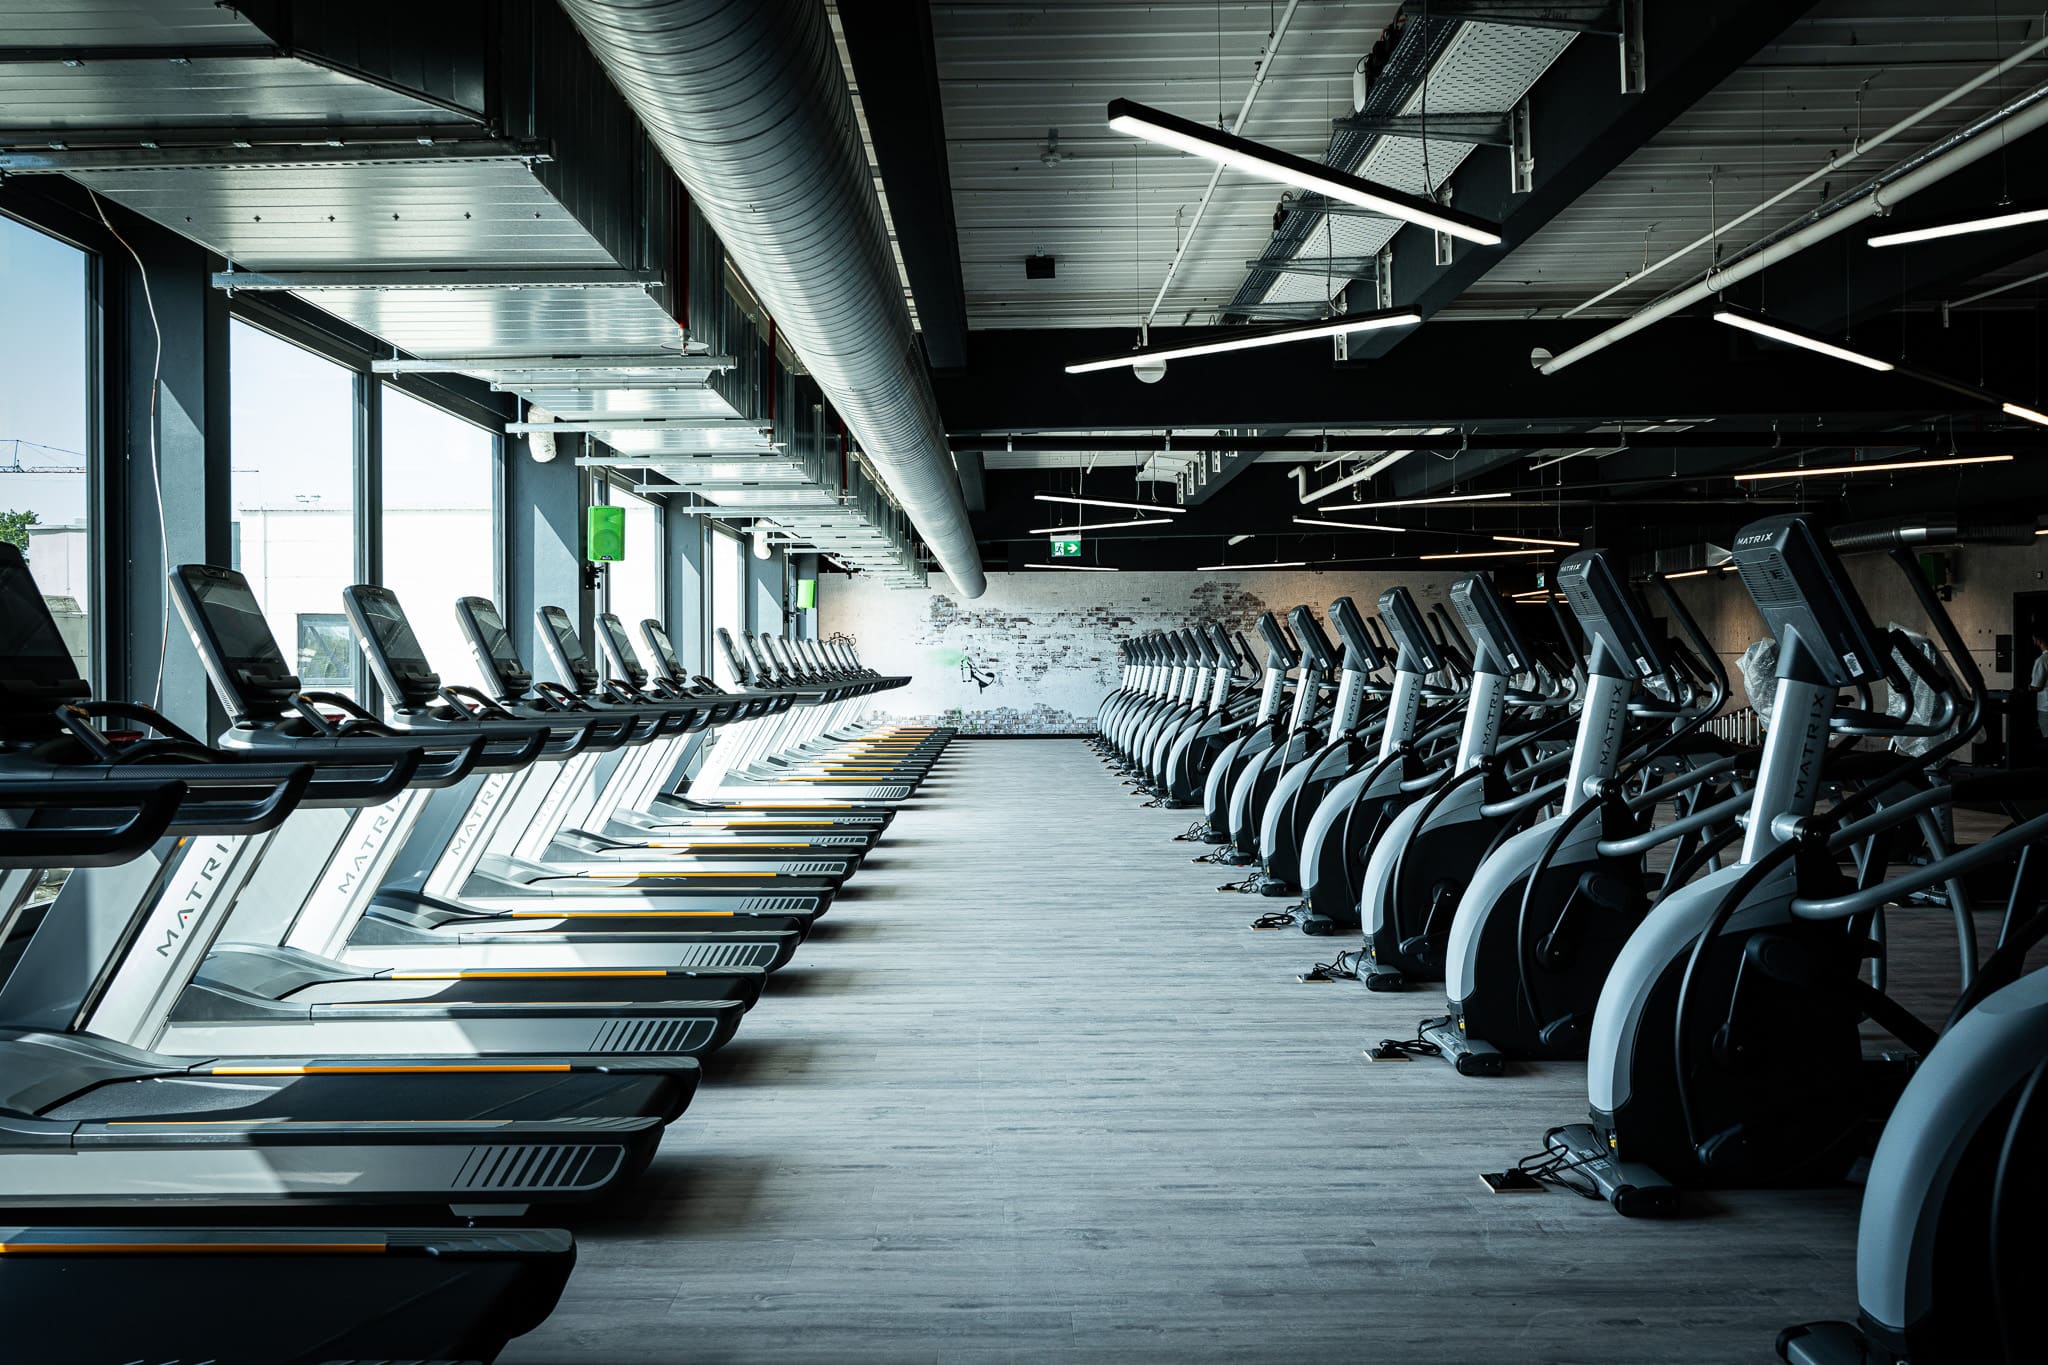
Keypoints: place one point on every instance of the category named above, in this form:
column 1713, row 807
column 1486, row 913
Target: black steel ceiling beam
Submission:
column 1453, row 374
column 1581, row 126
column 896, row 71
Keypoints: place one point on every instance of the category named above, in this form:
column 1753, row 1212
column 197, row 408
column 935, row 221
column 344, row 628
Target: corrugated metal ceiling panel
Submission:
column 1848, row 67
column 1007, row 73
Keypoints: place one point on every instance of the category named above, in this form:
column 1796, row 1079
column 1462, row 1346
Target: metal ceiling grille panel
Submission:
column 1484, row 69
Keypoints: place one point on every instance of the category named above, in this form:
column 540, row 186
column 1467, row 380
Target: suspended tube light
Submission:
column 2005, row 216
column 1349, row 525
column 1270, row 163
column 1419, row 502
column 1105, row 502
column 1485, row 554
column 1537, row 540
column 1793, row 336
column 1875, row 467
column 1247, row 339
column 1276, row 564
column 1077, row 568
column 1099, row 526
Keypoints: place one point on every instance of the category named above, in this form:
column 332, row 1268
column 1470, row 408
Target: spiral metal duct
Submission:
column 748, row 104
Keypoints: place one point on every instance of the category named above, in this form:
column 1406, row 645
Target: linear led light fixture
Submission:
column 1419, row 502
column 1077, row 568
column 1237, row 540
column 1099, row 526
column 1875, row 467
column 1270, row 163
column 1537, row 540
column 1792, row 336
column 1485, row 554
column 2024, row 414
column 1104, row 502
column 1694, row 573
column 1349, row 525
column 1247, row 338
column 2007, row 217
column 1276, row 564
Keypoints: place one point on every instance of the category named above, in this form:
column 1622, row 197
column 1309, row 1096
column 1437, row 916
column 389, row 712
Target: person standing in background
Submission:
column 2037, row 684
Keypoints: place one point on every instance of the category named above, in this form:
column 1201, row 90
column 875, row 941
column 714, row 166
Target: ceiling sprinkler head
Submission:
column 1052, row 155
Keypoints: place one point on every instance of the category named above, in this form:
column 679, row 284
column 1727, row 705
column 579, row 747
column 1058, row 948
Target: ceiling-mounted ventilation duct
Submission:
column 747, row 101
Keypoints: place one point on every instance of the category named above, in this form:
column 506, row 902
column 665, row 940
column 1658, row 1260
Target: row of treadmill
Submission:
column 459, row 957
column 1517, row 813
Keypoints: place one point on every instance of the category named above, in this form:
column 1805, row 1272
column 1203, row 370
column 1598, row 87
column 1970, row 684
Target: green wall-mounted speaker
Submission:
column 604, row 537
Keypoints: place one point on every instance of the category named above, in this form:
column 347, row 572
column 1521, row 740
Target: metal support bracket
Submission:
column 1521, row 150
column 1635, row 66
column 1383, row 279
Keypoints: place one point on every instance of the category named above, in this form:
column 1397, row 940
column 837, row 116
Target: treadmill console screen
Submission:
column 732, row 657
column 659, row 646
column 1478, row 606
column 1280, row 652
column 1799, row 587
column 1314, row 643
column 618, row 649
column 1417, row 653
column 233, row 640
column 492, row 645
column 1359, row 653
column 36, row 669
column 565, row 649
column 1610, row 613
column 758, row 653
column 388, row 643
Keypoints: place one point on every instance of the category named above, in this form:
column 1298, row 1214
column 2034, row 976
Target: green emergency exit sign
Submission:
column 1066, row 547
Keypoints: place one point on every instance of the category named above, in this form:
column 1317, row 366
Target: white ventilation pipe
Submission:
column 1871, row 200
column 1861, row 149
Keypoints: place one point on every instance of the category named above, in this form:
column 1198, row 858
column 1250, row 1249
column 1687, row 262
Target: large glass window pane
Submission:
column 633, row 587
column 440, row 523
column 45, row 423
column 728, row 597
column 294, row 494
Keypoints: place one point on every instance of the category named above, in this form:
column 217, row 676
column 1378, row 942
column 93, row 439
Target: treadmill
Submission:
column 472, row 871
column 386, row 900
column 643, row 806
column 86, row 1119
column 590, row 806
column 682, row 803
column 214, row 992
column 305, row 1295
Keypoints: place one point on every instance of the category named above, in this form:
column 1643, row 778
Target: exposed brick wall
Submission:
column 1046, row 641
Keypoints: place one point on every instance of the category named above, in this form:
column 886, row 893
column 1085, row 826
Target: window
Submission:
column 293, row 489
column 440, row 536
column 728, row 597
column 634, row 587
column 46, row 370
column 325, row 656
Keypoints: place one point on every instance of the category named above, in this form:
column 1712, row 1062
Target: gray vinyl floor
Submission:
column 1035, row 1093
